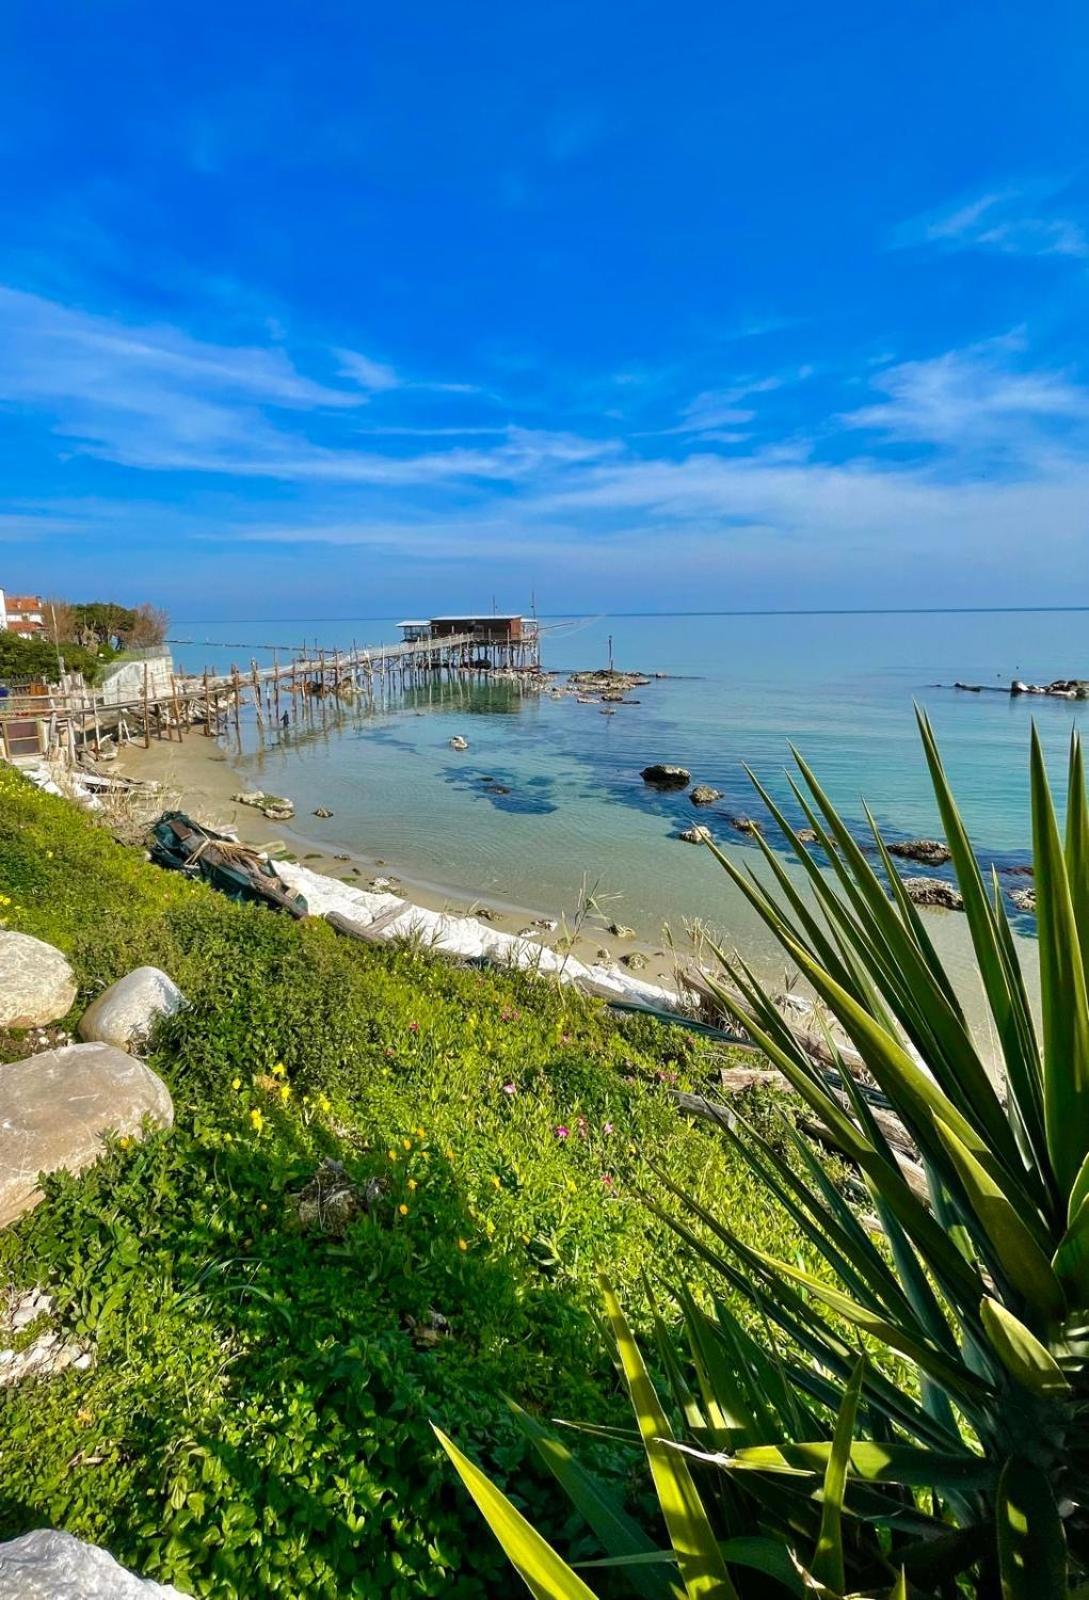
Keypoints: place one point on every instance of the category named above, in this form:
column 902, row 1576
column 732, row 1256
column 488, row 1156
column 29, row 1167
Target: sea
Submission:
column 546, row 809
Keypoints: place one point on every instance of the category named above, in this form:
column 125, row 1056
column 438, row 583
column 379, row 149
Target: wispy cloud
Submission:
column 1017, row 221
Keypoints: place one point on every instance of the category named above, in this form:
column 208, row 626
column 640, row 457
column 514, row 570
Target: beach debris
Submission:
column 37, row 986
column 934, row 892
column 931, row 852
column 745, row 824
column 619, row 931
column 125, row 1013
column 696, row 835
column 660, row 775
column 459, row 742
column 704, row 795
column 1024, row 899
column 274, row 806
column 176, row 841
column 56, row 1107
column 322, row 811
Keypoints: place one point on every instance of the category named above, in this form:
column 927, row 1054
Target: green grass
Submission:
column 258, row 1418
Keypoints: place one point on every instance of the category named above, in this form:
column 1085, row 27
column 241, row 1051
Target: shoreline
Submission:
column 198, row 776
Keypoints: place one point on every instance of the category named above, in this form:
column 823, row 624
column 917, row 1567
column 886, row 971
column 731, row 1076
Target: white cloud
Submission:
column 1007, row 221
column 367, row 373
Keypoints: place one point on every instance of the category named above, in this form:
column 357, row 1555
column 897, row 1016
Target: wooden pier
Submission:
column 37, row 720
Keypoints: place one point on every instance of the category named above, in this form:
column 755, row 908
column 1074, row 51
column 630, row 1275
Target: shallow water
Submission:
column 548, row 797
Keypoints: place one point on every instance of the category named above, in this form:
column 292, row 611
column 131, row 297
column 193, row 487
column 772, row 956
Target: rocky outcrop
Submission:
column 46, row 1565
column 459, row 742
column 1024, row 899
column 660, row 775
column 1058, row 688
column 274, row 806
column 36, row 983
column 745, row 824
column 704, row 795
column 807, row 835
column 696, row 835
column 55, row 1108
column 124, row 1014
column 931, row 852
column 322, row 811
column 934, row 892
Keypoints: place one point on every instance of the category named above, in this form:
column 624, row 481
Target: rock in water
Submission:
column 619, row 931
column 459, row 742
column 745, row 824
column 45, row 1565
column 662, row 776
column 124, row 1013
column 934, row 892
column 55, row 1108
column 36, row 983
column 704, row 795
column 696, row 835
column 1024, row 899
column 931, row 852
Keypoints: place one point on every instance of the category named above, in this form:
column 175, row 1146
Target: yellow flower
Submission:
column 257, row 1121
column 279, row 1070
column 392, row 1154
column 448, row 1153
column 236, row 1084
column 125, row 1142
column 412, row 1183
column 324, row 1103
column 403, row 1209
column 407, row 1143
column 421, row 1133
column 285, row 1091
column 496, row 1183
column 463, row 1244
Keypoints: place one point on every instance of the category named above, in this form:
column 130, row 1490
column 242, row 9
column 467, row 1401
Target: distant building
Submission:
column 490, row 629
column 413, row 632
column 22, row 614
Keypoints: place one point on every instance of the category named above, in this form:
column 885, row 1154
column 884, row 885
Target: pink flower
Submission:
column 509, row 1088
column 565, row 1038
column 607, row 1127
column 606, row 1180
column 562, row 1132
column 414, row 1027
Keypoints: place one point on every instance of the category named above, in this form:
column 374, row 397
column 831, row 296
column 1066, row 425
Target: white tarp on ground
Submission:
column 56, row 1566
column 462, row 936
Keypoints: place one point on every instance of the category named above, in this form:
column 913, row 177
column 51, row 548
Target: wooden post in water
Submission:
column 276, row 684
column 237, row 703
column 257, row 694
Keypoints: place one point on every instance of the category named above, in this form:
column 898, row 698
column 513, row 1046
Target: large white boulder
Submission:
column 55, row 1108
column 36, row 983
column 45, row 1565
column 123, row 1014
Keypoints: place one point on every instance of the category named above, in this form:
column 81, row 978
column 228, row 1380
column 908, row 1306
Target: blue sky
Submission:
column 343, row 309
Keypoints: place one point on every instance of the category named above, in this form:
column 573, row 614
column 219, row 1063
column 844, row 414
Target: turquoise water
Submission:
column 739, row 690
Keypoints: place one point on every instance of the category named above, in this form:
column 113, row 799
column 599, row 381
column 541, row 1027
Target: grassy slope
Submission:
column 257, row 1421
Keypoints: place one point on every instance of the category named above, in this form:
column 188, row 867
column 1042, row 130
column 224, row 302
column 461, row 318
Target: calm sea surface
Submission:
column 738, row 691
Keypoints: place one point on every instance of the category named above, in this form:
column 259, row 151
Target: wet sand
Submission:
column 198, row 776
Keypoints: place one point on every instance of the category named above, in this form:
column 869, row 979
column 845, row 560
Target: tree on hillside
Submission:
column 61, row 622
column 149, row 626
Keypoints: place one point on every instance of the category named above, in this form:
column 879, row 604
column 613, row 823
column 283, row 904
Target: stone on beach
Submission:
column 37, row 985
column 931, row 852
column 123, row 1015
column 55, row 1108
column 934, row 892
column 660, row 775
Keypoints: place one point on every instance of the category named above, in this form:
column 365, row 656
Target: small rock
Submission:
column 322, row 811
column 745, row 824
column 931, row 852
column 1024, row 899
column 635, row 960
column 123, row 1015
column 619, row 931
column 55, row 1108
column 342, row 858
column 934, row 892
column 704, row 795
column 807, row 835
column 696, row 835
column 37, row 985
column 661, row 776
column 458, row 742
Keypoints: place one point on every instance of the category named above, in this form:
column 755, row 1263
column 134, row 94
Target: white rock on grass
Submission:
column 36, row 983
column 55, row 1108
column 46, row 1565
column 124, row 1013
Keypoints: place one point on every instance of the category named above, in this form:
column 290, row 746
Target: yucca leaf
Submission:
column 1077, row 845
column 1031, row 1542
column 1063, row 998
column 827, row 1565
column 1021, row 1353
column 533, row 1558
column 1013, row 1243
column 1071, row 1259
column 876, row 1463
column 699, row 1561
column 618, row 1532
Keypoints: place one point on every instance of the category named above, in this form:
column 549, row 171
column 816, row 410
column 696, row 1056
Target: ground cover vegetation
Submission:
column 791, row 1464
column 267, row 1364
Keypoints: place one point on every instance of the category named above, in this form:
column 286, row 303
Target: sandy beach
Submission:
column 197, row 775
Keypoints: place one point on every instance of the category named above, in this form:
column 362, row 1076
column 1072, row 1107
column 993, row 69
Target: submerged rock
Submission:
column 123, row 1015
column 696, row 835
column 55, row 1108
column 934, row 892
column 745, row 824
column 459, row 742
column 36, row 983
column 660, row 775
column 704, row 795
column 807, row 835
column 1024, row 899
column 322, row 811
column 931, row 852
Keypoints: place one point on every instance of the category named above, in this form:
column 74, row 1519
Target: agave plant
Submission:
column 909, row 1417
